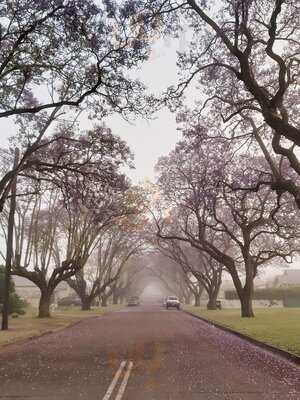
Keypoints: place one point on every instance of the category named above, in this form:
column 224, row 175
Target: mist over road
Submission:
column 144, row 353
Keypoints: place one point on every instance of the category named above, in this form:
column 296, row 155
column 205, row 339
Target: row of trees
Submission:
column 243, row 56
column 197, row 204
column 82, row 215
column 62, row 188
column 230, row 189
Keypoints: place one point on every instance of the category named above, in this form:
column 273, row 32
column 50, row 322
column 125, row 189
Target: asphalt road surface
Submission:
column 144, row 353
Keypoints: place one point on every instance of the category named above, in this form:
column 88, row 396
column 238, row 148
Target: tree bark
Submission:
column 44, row 304
column 245, row 293
column 9, row 249
column 213, row 294
column 104, row 301
column 246, row 304
column 212, row 301
column 115, row 298
column 86, row 304
column 197, row 300
column 248, row 290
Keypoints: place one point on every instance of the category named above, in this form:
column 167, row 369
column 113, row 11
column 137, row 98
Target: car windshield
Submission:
column 172, row 298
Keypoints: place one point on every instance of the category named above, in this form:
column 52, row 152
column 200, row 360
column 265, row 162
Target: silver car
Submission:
column 172, row 301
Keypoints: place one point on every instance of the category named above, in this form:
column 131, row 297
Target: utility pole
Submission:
column 9, row 246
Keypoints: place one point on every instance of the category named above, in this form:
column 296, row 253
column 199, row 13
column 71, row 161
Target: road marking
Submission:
column 125, row 381
column 114, row 381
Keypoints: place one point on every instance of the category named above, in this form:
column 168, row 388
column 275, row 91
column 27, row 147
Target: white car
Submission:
column 172, row 301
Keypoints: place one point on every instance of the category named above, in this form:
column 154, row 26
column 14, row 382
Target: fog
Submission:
column 153, row 291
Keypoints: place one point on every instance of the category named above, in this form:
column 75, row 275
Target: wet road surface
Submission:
column 144, row 353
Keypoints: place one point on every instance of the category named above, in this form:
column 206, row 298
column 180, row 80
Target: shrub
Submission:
column 269, row 293
column 16, row 304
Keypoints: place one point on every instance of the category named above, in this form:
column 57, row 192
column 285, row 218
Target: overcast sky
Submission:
column 148, row 140
column 151, row 139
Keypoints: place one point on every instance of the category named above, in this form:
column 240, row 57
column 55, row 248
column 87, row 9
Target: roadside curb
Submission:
column 276, row 350
column 27, row 339
column 19, row 342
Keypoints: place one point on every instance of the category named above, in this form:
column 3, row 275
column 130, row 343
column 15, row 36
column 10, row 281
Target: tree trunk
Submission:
column 212, row 301
column 212, row 297
column 115, row 298
column 197, row 300
column 248, row 291
column 86, row 303
column 104, row 301
column 245, row 293
column 44, row 304
column 246, row 305
column 9, row 248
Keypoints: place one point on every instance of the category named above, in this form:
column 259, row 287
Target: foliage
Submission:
column 83, row 62
column 87, row 49
column 16, row 304
column 242, row 57
column 76, row 189
column 269, row 293
column 114, row 248
column 242, row 230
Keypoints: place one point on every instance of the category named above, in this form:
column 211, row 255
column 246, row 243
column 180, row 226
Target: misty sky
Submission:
column 147, row 139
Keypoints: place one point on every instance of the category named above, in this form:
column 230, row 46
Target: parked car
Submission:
column 134, row 301
column 69, row 301
column 172, row 301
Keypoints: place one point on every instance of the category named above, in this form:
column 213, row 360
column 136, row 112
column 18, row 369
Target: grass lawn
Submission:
column 29, row 325
column 279, row 327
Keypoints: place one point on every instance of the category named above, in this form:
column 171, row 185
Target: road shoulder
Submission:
column 29, row 327
column 268, row 347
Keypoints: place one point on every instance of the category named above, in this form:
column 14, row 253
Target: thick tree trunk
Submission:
column 197, row 300
column 86, row 304
column 246, row 305
column 248, row 291
column 212, row 301
column 212, row 298
column 104, row 301
column 44, row 305
column 115, row 298
column 245, row 293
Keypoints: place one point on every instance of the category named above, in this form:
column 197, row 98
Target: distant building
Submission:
column 288, row 278
column 31, row 293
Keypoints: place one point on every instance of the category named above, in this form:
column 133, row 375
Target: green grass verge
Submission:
column 29, row 325
column 279, row 327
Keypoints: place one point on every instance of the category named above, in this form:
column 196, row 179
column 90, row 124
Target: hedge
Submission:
column 269, row 293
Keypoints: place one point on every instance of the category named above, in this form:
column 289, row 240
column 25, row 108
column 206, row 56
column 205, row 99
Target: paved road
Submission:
column 144, row 353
